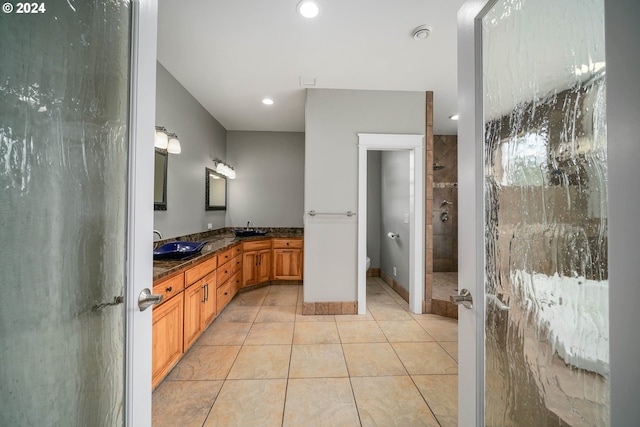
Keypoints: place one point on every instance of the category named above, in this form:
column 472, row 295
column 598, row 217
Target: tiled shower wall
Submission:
column 445, row 188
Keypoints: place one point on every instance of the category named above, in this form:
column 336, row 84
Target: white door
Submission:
column 543, row 162
column 77, row 98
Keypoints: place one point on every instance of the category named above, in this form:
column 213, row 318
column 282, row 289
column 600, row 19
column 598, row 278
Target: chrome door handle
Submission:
column 146, row 299
column 464, row 298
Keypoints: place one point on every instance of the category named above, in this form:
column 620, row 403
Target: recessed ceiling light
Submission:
column 454, row 117
column 308, row 8
column 267, row 101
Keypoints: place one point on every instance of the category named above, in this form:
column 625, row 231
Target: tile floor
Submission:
column 262, row 363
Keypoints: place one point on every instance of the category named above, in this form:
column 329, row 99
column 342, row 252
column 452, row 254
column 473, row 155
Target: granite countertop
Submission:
column 216, row 243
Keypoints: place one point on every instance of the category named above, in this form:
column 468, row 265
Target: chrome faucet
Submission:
column 248, row 224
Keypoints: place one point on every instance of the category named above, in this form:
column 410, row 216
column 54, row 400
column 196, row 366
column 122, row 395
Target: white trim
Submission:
column 140, row 211
column 471, row 213
column 394, row 142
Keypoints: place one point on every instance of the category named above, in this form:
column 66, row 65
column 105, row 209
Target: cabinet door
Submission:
column 250, row 268
column 287, row 264
column 193, row 300
column 167, row 337
column 264, row 265
column 209, row 309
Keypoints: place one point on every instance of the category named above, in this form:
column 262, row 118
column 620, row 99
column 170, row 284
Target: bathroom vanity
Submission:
column 197, row 289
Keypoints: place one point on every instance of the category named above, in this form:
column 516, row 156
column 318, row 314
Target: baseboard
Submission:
column 396, row 286
column 324, row 308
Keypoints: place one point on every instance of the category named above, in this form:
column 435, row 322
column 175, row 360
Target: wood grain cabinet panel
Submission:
column 167, row 337
column 169, row 287
column 287, row 264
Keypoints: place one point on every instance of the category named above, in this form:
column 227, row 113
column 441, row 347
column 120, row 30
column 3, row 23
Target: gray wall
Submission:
column 269, row 185
column 333, row 119
column 374, row 211
column 202, row 139
column 395, row 205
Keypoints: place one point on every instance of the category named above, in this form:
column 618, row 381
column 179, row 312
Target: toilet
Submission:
column 368, row 263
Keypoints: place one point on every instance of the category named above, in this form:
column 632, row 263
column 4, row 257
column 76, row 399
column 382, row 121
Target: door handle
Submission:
column 464, row 298
column 146, row 299
column 494, row 300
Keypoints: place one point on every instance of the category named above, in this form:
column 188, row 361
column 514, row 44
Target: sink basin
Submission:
column 249, row 233
column 177, row 250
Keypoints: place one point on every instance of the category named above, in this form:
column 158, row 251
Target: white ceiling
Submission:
column 230, row 54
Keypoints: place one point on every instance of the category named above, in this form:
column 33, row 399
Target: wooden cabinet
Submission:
column 256, row 262
column 167, row 337
column 230, row 263
column 200, row 306
column 287, row 259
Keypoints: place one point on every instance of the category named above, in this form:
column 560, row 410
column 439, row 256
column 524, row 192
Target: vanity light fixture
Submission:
column 454, row 117
column 224, row 169
column 267, row 101
column 167, row 141
column 174, row 144
column 161, row 139
column 308, row 9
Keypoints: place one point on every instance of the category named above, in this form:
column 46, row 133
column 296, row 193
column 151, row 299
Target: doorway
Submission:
column 414, row 144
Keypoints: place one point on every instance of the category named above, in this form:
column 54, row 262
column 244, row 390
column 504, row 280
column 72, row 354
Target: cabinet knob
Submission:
column 169, row 289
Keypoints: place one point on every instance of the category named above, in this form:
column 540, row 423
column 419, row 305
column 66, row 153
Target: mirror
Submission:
column 160, row 180
column 215, row 191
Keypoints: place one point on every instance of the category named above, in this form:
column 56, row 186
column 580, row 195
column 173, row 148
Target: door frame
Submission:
column 140, row 211
column 623, row 152
column 394, row 142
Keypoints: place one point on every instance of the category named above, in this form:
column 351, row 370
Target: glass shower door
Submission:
column 64, row 124
column 545, row 212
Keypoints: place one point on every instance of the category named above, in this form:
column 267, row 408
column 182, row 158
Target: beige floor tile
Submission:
column 446, row 421
column 270, row 333
column 372, row 359
column 353, row 332
column 250, row 298
column 439, row 327
column 355, row 317
column 388, row 312
column 425, row 358
column 249, row 403
column 205, row 362
column 451, row 347
column 221, row 333
column 380, row 298
column 317, row 360
column 261, row 361
column 316, row 333
column 320, row 402
column 440, row 392
column 281, row 299
column 286, row 313
column 391, row 401
column 403, row 331
column 238, row 314
column 183, row 403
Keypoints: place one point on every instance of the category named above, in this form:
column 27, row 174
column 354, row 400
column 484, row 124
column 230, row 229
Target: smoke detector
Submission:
column 421, row 32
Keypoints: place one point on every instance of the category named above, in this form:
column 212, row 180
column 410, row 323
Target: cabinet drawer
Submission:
column 256, row 245
column 236, row 282
column 236, row 264
column 224, row 295
column 287, row 243
column 169, row 287
column 200, row 270
column 224, row 272
column 225, row 256
column 236, row 250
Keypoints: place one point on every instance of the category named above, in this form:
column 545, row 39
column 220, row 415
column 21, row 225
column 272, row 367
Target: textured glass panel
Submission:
column 64, row 76
column 546, row 274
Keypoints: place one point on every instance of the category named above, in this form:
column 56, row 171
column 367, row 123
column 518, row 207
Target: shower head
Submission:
column 437, row 167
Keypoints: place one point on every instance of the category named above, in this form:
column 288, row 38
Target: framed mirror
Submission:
column 215, row 191
column 160, row 180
